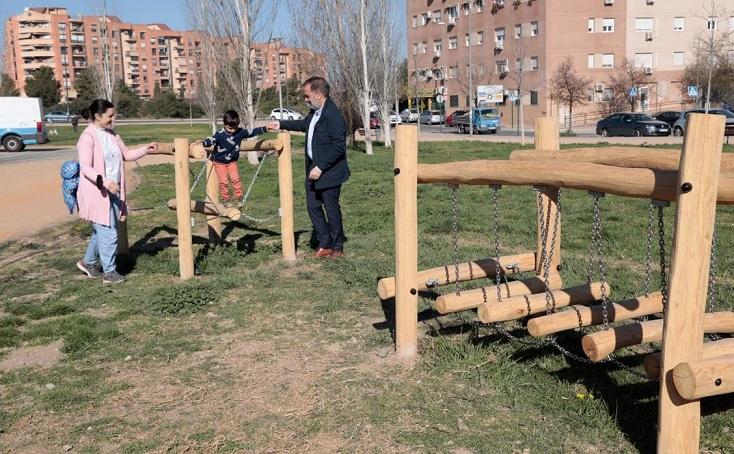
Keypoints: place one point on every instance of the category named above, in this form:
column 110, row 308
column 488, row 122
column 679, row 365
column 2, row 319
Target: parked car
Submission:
column 21, row 122
column 394, row 118
column 285, row 114
column 483, row 120
column 431, row 117
column 375, row 121
column 632, row 124
column 679, row 128
column 450, row 118
column 670, row 116
column 409, row 115
column 57, row 116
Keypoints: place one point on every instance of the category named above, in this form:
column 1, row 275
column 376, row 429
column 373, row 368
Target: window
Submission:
column 453, row 71
column 480, row 38
column 453, row 11
column 425, row 20
column 712, row 23
column 607, row 25
column 590, row 95
column 518, row 64
column 533, row 63
column 479, row 5
column 499, row 35
column 437, row 16
column 501, row 66
column 454, row 101
column 643, row 60
column 465, row 8
column 415, row 48
column 453, row 42
column 142, row 35
column 644, row 24
column 607, row 60
column 679, row 24
column 467, row 40
column 590, row 61
column 424, row 46
column 679, row 58
column 518, row 31
column 590, row 25
column 437, row 46
column 533, row 98
column 534, row 28
column 415, row 21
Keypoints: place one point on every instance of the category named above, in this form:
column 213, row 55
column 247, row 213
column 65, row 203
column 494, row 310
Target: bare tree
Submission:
column 523, row 76
column 568, row 87
column 106, row 77
column 205, row 72
column 387, row 61
column 713, row 44
column 629, row 75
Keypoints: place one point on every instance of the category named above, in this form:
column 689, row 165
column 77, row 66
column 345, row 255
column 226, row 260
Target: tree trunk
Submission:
column 570, row 117
column 522, row 122
column 365, row 80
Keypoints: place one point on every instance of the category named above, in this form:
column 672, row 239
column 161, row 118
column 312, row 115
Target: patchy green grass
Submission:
column 253, row 355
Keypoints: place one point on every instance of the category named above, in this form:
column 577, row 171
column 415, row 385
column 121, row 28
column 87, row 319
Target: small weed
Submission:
column 182, row 299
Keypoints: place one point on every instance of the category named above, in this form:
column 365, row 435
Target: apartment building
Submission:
column 516, row 45
column 142, row 55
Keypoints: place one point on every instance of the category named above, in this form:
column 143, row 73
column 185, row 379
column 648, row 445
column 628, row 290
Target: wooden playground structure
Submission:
column 695, row 179
column 212, row 207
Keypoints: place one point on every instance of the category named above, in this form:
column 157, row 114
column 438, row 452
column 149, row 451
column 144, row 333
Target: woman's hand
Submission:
column 152, row 147
column 112, row 187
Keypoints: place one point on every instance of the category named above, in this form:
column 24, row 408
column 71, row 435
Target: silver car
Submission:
column 409, row 115
column 679, row 127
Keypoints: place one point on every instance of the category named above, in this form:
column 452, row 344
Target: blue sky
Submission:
column 170, row 12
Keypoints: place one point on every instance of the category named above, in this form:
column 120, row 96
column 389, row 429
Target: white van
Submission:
column 21, row 122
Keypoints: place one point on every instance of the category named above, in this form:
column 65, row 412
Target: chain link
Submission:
column 597, row 246
column 198, row 178
column 648, row 249
column 278, row 213
column 663, row 261
column 455, row 233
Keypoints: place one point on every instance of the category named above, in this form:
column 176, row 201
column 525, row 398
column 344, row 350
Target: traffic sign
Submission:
column 439, row 98
column 693, row 91
column 633, row 92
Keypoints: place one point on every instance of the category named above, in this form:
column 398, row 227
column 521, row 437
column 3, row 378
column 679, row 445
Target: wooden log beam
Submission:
column 285, row 191
column 261, row 145
column 548, row 138
column 183, row 213
column 523, row 305
column 469, row 299
column 628, row 182
column 209, row 208
column 601, row 344
column 636, row 157
column 477, row 269
column 578, row 316
column 196, row 150
column 711, row 349
column 705, row 377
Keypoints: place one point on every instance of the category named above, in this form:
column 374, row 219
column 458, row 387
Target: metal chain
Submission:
column 648, row 250
column 546, row 257
column 455, row 234
column 663, row 264
column 597, row 244
column 198, row 177
column 496, row 221
column 278, row 213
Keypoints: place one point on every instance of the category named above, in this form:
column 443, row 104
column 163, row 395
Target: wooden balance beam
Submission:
column 635, row 157
column 627, row 182
column 469, row 299
column 523, row 305
column 579, row 316
column 601, row 344
column 210, row 209
column 710, row 350
column 705, row 377
column 196, row 150
column 477, row 269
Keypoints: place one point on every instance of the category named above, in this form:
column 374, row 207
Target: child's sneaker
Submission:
column 90, row 270
column 113, row 277
column 226, row 203
column 240, row 203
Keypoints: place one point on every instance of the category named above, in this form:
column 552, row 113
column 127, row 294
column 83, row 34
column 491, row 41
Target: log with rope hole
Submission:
column 523, row 305
column 578, row 316
column 469, row 299
column 477, row 269
column 710, row 350
column 601, row 344
column 705, row 377
column 210, row 209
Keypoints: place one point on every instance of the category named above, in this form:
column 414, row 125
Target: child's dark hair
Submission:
column 231, row 118
column 98, row 106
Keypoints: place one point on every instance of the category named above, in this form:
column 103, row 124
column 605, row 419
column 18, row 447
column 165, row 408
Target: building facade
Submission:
column 141, row 55
column 516, row 46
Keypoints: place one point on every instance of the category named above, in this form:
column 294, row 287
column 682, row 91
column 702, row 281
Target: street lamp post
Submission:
column 444, row 73
column 471, row 70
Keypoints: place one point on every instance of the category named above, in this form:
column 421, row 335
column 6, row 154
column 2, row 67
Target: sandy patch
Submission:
column 43, row 356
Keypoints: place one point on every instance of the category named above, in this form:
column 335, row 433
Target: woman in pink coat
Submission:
column 101, row 192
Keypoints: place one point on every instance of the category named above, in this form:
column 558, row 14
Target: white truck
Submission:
column 21, row 122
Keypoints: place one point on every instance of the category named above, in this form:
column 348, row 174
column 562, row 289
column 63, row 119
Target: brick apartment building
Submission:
column 522, row 42
column 142, row 55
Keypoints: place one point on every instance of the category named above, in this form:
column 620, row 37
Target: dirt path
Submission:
column 30, row 195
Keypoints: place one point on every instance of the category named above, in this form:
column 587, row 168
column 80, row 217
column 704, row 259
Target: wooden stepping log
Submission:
column 711, row 349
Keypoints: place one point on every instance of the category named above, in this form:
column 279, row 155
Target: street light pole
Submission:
column 471, row 70
column 444, row 73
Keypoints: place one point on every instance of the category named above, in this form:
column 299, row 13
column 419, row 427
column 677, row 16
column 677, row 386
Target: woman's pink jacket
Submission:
column 94, row 204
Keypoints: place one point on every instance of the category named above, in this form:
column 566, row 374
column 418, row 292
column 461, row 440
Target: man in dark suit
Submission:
column 326, row 164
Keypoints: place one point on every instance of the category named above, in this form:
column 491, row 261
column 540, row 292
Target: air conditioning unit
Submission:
column 648, row 36
column 609, row 2
column 650, row 2
column 499, row 44
column 599, row 87
column 648, row 70
column 499, row 3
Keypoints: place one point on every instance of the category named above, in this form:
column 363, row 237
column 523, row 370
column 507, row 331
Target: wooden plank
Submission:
column 183, row 212
column 285, row 189
column 578, row 316
column 477, row 269
column 679, row 420
column 406, row 240
column 711, row 349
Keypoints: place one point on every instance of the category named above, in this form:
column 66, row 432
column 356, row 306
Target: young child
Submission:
column 226, row 145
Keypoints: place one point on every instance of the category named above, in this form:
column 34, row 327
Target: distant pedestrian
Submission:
column 75, row 122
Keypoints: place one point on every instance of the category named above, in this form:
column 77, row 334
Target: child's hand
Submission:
column 152, row 147
column 273, row 126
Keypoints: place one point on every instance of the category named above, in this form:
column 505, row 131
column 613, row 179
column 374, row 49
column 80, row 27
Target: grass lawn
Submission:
column 255, row 356
column 134, row 133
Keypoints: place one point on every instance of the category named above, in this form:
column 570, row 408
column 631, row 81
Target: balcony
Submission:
column 36, row 29
column 32, row 66
column 46, row 53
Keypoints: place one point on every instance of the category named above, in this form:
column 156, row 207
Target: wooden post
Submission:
column 183, row 210
column 679, row 422
column 214, row 224
column 123, row 244
column 285, row 188
column 406, row 240
column 548, row 138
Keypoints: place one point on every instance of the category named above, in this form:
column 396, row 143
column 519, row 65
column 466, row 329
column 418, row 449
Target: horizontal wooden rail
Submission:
column 628, row 182
column 196, row 150
column 635, row 157
column 578, row 316
column 601, row 344
column 469, row 299
column 523, row 305
column 261, row 145
column 477, row 269
column 710, row 350
column 705, row 377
